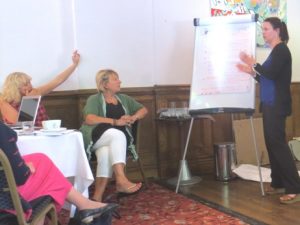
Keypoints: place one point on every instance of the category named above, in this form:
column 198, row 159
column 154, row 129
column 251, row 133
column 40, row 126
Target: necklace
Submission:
column 111, row 100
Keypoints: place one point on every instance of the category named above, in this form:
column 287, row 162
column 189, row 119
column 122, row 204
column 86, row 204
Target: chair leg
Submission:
column 142, row 172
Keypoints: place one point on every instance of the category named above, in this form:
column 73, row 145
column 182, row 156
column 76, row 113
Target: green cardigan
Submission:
column 96, row 105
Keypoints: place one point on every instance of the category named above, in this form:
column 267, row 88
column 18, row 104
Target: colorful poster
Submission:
column 264, row 9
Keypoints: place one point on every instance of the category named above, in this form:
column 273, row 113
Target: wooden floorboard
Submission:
column 244, row 197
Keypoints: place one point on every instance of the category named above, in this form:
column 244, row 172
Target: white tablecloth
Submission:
column 68, row 154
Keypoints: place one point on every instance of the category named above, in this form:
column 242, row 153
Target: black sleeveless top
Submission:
column 113, row 112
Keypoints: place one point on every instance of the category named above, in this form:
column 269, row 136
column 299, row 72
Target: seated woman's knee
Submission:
column 115, row 133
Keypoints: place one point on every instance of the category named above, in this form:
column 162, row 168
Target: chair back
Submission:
column 9, row 195
column 135, row 133
column 13, row 202
column 135, row 129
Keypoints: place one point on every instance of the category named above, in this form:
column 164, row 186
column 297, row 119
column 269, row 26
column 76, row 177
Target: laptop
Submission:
column 28, row 110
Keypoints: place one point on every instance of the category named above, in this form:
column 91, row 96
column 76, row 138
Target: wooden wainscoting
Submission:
column 293, row 123
column 63, row 105
column 169, row 138
column 160, row 141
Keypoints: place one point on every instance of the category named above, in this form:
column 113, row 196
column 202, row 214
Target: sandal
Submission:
column 128, row 192
column 289, row 199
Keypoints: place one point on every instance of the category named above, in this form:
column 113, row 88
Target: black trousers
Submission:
column 284, row 173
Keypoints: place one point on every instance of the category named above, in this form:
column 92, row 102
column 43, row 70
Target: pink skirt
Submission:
column 46, row 180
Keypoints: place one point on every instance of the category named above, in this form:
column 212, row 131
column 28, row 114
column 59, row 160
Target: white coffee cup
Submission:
column 51, row 124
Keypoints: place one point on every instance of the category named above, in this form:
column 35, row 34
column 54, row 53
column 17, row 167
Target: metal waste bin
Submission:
column 225, row 160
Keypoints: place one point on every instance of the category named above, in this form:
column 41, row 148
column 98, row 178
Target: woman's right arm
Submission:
column 9, row 114
column 92, row 119
column 59, row 79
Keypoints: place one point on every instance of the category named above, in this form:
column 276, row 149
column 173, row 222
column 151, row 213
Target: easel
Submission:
column 207, row 95
column 188, row 139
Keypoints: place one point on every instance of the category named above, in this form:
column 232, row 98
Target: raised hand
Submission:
column 248, row 59
column 76, row 57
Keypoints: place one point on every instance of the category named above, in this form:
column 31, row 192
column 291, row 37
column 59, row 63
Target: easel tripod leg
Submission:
column 257, row 157
column 184, row 154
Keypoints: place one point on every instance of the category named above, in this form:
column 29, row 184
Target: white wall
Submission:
column 36, row 38
column 293, row 21
column 118, row 35
column 147, row 41
column 174, row 39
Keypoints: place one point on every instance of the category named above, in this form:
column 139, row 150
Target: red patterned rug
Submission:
column 160, row 206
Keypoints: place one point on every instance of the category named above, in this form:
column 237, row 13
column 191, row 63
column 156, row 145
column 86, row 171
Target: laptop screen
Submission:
column 28, row 108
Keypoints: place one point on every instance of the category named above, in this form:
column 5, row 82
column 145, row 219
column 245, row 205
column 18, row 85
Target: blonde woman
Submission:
column 108, row 116
column 18, row 84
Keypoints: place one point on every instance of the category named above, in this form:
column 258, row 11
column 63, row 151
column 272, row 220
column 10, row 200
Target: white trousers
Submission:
column 110, row 149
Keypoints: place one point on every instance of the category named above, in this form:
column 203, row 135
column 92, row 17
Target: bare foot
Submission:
column 128, row 187
column 289, row 198
column 94, row 204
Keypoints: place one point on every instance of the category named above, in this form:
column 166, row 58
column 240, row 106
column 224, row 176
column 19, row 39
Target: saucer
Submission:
column 54, row 130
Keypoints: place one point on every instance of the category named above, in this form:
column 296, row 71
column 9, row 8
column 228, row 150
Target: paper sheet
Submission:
column 250, row 172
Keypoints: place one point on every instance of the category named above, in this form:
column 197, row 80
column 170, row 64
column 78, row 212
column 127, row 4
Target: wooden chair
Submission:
column 11, row 200
column 136, row 136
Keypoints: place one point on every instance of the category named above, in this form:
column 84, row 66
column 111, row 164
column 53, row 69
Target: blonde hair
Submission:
column 11, row 87
column 102, row 77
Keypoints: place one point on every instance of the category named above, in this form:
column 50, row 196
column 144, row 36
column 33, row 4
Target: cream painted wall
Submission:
column 293, row 21
column 147, row 41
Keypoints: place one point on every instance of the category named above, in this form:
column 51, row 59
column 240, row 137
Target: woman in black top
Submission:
column 107, row 131
column 274, row 76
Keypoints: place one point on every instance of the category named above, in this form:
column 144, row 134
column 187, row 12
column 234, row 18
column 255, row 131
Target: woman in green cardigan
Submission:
column 108, row 116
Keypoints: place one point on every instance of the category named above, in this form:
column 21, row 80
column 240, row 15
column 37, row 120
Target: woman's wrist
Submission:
column 114, row 122
column 254, row 65
column 75, row 64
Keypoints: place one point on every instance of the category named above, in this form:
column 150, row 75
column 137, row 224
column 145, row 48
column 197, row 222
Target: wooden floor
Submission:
column 245, row 197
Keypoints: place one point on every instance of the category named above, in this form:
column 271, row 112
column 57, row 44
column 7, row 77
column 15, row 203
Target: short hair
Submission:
column 102, row 77
column 277, row 23
column 12, row 84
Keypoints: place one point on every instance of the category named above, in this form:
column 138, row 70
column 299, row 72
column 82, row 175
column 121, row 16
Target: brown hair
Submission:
column 277, row 23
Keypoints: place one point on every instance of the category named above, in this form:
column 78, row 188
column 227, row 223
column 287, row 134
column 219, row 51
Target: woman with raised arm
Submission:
column 274, row 77
column 18, row 84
